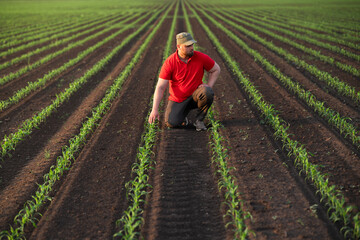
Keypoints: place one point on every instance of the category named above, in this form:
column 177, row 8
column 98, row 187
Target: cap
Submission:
column 184, row 38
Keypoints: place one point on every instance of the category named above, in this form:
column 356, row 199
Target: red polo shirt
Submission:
column 185, row 78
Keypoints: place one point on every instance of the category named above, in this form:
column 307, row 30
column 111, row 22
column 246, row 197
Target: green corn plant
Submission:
column 316, row 42
column 335, row 119
column 63, row 27
column 41, row 39
column 312, row 34
column 317, row 54
column 226, row 182
column 9, row 143
column 11, row 76
column 87, row 29
column 131, row 219
column 30, row 212
column 315, row 25
column 300, row 154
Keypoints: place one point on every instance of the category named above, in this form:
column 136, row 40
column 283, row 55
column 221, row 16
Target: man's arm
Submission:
column 213, row 75
column 161, row 86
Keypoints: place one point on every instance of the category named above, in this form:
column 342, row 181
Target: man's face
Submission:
column 186, row 50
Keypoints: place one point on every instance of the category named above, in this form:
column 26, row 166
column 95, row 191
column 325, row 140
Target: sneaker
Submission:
column 185, row 123
column 200, row 126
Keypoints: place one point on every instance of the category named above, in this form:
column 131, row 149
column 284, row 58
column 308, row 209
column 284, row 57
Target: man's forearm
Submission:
column 212, row 79
column 157, row 98
column 213, row 75
column 159, row 92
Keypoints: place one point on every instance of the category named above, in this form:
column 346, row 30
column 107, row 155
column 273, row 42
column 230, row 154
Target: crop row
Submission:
column 51, row 34
column 28, row 213
column 226, row 182
column 9, row 142
column 28, row 55
column 327, row 59
column 281, row 27
column 232, row 197
column 22, row 17
column 87, row 29
column 41, row 39
column 342, row 21
column 15, row 23
column 137, row 188
column 311, row 40
column 333, row 82
column 32, row 86
column 330, row 115
column 21, row 31
column 7, row 37
column 29, row 67
column 299, row 24
column 334, row 199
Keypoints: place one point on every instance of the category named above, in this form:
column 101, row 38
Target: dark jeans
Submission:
column 201, row 99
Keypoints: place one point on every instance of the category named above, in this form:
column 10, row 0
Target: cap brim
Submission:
column 188, row 43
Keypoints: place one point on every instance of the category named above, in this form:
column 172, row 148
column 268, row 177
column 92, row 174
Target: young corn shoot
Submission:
column 30, row 211
column 232, row 199
column 9, row 142
column 333, row 198
column 132, row 219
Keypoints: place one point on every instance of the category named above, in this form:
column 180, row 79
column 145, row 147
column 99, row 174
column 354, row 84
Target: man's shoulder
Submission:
column 204, row 59
column 168, row 67
column 171, row 57
column 201, row 56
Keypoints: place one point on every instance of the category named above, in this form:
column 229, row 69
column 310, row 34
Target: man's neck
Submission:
column 185, row 58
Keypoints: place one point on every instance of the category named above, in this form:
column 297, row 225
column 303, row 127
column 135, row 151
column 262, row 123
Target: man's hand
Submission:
column 153, row 116
column 203, row 85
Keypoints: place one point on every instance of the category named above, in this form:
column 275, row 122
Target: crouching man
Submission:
column 184, row 70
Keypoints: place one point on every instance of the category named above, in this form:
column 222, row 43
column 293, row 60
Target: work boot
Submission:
column 200, row 126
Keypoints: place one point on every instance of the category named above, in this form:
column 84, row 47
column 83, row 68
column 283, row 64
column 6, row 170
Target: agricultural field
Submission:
column 280, row 158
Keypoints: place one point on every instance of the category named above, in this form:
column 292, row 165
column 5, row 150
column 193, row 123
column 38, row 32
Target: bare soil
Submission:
column 184, row 201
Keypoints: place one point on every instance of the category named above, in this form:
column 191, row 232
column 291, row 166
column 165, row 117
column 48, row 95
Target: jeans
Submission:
column 201, row 99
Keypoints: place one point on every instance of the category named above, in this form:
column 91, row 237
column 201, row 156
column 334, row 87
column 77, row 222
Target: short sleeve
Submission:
column 208, row 62
column 166, row 70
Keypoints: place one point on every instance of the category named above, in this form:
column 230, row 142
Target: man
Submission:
column 184, row 70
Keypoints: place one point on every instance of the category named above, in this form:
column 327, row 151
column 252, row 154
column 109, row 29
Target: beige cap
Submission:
column 184, row 38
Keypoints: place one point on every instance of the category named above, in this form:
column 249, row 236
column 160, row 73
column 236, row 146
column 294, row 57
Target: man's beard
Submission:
column 190, row 54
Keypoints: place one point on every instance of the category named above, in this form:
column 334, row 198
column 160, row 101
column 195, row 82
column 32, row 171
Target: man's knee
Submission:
column 209, row 93
column 206, row 94
column 173, row 124
column 170, row 124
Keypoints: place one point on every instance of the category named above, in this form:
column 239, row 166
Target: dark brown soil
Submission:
column 271, row 192
column 54, row 29
column 28, row 163
column 304, row 124
column 184, row 201
column 11, row 87
column 333, row 70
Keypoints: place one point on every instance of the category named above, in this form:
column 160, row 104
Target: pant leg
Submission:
column 176, row 112
column 203, row 97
